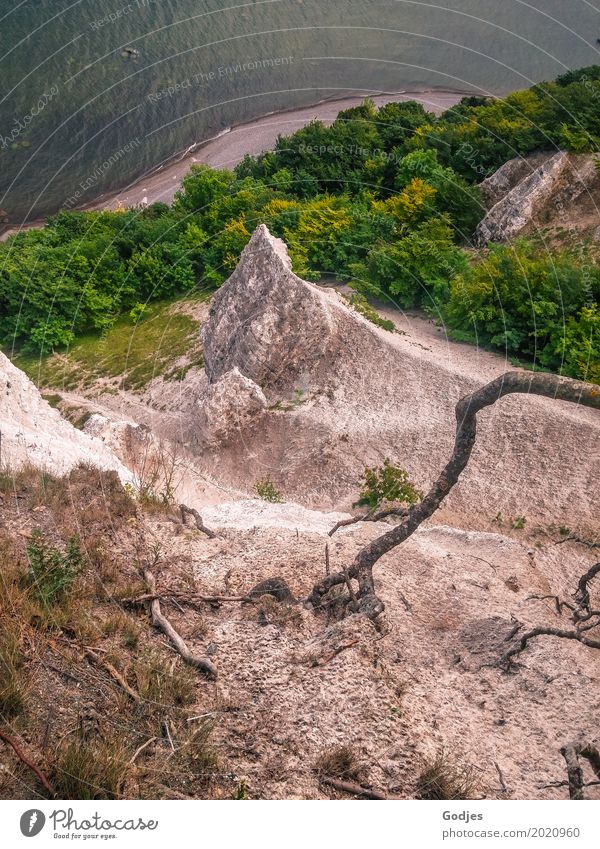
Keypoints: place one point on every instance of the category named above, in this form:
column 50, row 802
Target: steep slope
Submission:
column 340, row 393
column 33, row 433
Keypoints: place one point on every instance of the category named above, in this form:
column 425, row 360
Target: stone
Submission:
column 231, row 403
column 520, row 205
column 32, row 432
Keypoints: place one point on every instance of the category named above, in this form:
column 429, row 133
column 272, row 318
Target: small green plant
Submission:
column 518, row 524
column 51, row 571
column 362, row 306
column 136, row 312
column 386, row 483
column 242, row 790
column 266, row 490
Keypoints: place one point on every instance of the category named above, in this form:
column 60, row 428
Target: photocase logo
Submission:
column 32, row 822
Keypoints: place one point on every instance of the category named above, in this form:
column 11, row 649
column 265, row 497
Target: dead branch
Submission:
column 198, row 518
column 506, row 662
column 161, row 622
column 28, row 763
column 140, row 749
column 574, row 538
column 503, row 786
column 353, row 789
column 547, row 385
column 183, row 597
column 377, row 516
column 558, row 603
column 583, row 618
column 114, row 674
column 572, row 753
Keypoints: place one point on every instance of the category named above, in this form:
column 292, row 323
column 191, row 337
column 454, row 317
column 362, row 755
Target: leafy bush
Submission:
column 266, row 490
column 51, row 571
column 386, row 483
column 531, row 306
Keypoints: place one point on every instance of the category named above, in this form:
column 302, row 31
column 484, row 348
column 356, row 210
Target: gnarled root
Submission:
column 548, row 385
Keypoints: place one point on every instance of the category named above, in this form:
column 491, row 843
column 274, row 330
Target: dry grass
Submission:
column 52, row 690
column 90, row 769
column 446, row 778
column 339, row 762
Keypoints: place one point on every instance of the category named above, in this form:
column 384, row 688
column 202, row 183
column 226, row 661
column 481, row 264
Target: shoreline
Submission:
column 228, row 147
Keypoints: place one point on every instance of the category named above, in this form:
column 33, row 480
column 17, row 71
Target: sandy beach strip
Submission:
column 228, row 148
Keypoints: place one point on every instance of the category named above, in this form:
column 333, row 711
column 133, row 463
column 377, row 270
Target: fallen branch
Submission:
column 114, row 674
column 353, row 789
column 28, row 763
column 139, row 751
column 198, row 518
column 161, row 622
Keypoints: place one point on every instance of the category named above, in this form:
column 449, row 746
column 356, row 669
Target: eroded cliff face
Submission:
column 301, row 388
column 540, row 191
column 267, row 322
column 34, row 433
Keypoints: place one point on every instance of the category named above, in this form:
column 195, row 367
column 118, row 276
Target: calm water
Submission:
column 97, row 92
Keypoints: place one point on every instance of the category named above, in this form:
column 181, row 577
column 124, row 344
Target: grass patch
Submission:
column 446, row 778
column 339, row 762
column 132, row 353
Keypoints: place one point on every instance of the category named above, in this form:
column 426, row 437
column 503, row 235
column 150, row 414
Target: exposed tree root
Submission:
column 572, row 753
column 116, row 676
column 160, row 621
column 584, row 620
column 28, row 763
column 361, row 570
column 198, row 519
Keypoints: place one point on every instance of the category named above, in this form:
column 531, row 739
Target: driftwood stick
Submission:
column 28, row 763
column 198, row 518
column 114, row 674
column 353, row 789
column 572, row 753
column 160, row 621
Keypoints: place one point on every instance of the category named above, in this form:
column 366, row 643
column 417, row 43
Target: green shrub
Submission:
column 51, row 571
column 266, row 490
column 386, row 483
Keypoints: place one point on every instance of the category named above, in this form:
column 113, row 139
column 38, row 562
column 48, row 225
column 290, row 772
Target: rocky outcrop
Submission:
column 34, row 433
column 267, row 322
column 231, row 403
column 495, row 187
column 523, row 202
